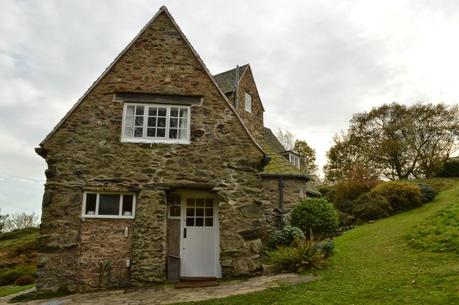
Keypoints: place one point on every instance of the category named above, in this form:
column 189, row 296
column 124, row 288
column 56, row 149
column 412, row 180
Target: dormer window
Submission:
column 150, row 123
column 294, row 159
column 248, row 102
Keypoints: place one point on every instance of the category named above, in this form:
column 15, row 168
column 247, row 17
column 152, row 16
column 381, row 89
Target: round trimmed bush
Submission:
column 427, row 192
column 316, row 215
column 285, row 237
column 402, row 196
column 371, row 206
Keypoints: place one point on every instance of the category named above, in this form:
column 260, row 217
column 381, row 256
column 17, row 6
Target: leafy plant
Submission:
column 326, row 246
column 427, row 192
column 315, row 215
column 302, row 255
column 285, row 237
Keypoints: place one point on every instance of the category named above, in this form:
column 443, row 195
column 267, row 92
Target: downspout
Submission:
column 281, row 202
column 236, row 91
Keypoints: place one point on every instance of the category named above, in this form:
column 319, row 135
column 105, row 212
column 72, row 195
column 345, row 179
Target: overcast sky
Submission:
column 315, row 63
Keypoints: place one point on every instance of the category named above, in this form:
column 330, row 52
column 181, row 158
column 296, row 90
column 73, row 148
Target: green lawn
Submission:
column 7, row 290
column 374, row 264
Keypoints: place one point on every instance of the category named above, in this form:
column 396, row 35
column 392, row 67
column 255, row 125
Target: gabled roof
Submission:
column 225, row 80
column 278, row 165
column 163, row 9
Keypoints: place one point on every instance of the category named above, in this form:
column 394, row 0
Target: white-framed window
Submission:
column 149, row 123
column 108, row 205
column 248, row 102
column 294, row 159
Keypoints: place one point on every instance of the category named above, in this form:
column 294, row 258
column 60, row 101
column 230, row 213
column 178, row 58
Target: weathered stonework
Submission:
column 294, row 192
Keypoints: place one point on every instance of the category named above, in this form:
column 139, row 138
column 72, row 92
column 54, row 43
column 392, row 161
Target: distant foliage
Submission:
column 402, row 196
column 20, row 221
column 315, row 215
column 349, row 190
column 450, row 169
column 285, row 237
column 371, row 206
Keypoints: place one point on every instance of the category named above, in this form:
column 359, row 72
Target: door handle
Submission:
column 184, row 232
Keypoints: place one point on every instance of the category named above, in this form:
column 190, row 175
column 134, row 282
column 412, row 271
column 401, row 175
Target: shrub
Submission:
column 345, row 219
column 326, row 246
column 427, row 192
column 24, row 280
column 450, row 169
column 285, row 237
column 302, row 255
column 315, row 215
column 402, row 196
column 9, row 276
column 347, row 192
column 371, row 206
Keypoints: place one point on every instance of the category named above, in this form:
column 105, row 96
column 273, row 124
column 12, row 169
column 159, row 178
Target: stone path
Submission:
column 167, row 294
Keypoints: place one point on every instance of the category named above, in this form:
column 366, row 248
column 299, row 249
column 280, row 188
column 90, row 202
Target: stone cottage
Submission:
column 161, row 171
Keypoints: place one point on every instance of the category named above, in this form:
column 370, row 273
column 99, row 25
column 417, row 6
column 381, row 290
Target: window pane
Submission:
column 209, row 222
column 190, row 212
column 183, row 134
column 152, row 111
column 129, row 121
column 183, row 123
column 161, row 133
column 190, row 202
column 184, row 113
column 151, row 122
column 199, row 222
column 200, row 212
column 173, row 134
column 209, row 212
column 173, row 122
column 174, row 211
column 151, row 132
column 190, row 222
column 128, row 132
column 209, row 202
column 162, row 111
column 128, row 203
column 199, row 202
column 138, row 132
column 109, row 204
column 139, row 121
column 174, row 112
column 161, row 122
column 91, row 204
column 130, row 110
column 139, row 110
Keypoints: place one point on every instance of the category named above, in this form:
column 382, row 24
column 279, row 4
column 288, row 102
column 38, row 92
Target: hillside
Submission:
column 409, row 258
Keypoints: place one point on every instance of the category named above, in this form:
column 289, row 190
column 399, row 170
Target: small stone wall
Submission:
column 105, row 253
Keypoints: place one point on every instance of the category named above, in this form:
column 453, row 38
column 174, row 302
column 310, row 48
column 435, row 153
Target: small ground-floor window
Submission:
column 108, row 205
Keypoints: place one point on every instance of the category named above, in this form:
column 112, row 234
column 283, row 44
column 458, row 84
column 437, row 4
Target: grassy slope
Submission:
column 7, row 290
column 374, row 264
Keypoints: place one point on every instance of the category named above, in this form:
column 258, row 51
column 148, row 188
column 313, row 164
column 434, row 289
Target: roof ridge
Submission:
column 230, row 70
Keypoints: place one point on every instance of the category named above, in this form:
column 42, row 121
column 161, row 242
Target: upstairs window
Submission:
column 294, row 159
column 104, row 205
column 146, row 123
column 248, row 102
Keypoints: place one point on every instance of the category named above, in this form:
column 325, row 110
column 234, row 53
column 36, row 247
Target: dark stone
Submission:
column 250, row 234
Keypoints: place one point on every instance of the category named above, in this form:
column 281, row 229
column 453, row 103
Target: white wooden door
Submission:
column 199, row 237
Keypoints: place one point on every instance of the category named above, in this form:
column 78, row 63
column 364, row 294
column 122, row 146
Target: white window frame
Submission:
column 295, row 160
column 96, row 212
column 248, row 102
column 146, row 139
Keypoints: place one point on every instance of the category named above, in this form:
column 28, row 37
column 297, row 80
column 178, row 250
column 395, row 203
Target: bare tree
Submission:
column 20, row 221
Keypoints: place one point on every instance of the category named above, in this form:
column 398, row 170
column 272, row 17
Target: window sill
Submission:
column 107, row 217
column 146, row 141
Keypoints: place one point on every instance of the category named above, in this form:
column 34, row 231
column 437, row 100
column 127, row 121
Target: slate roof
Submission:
column 225, row 80
column 278, row 165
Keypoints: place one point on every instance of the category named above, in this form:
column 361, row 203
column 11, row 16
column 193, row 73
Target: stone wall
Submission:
column 86, row 153
column 294, row 192
column 105, row 251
